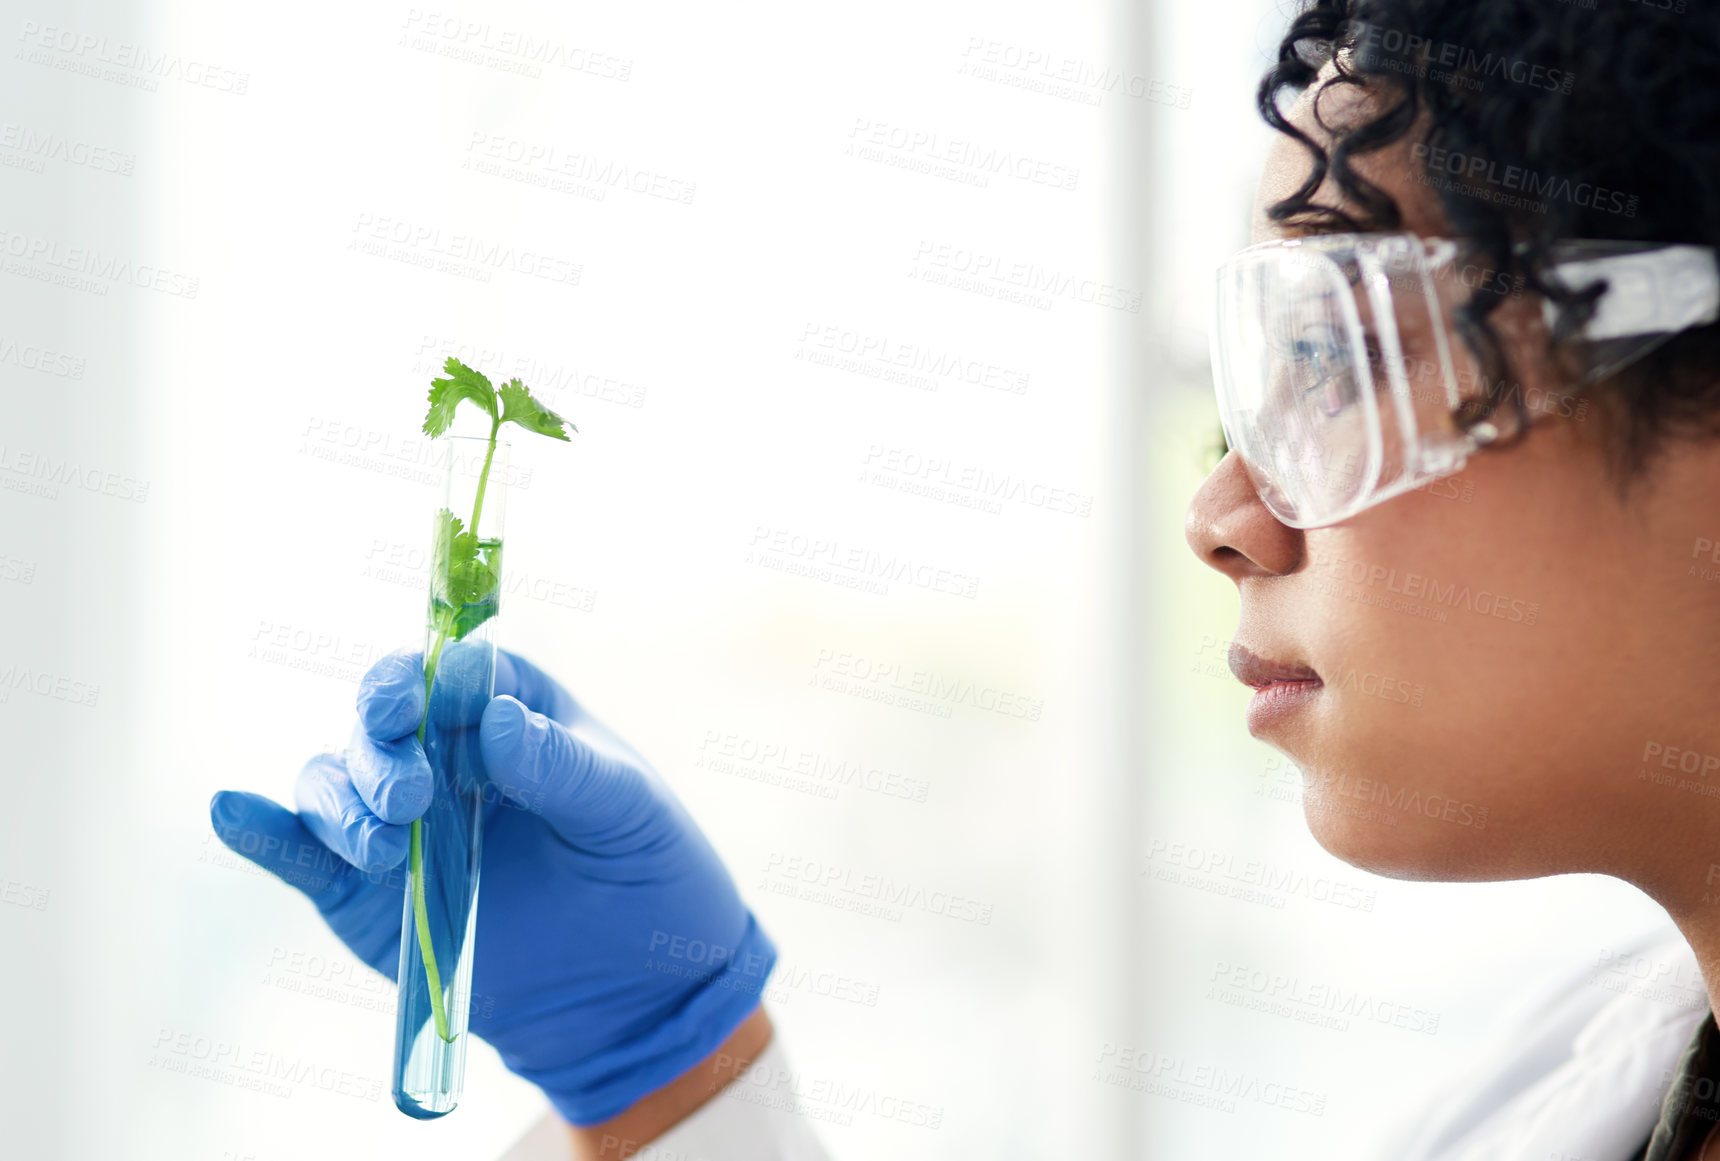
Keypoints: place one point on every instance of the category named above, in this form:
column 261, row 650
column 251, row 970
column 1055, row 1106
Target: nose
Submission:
column 1231, row 530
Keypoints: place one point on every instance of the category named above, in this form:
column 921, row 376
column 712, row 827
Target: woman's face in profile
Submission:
column 1505, row 657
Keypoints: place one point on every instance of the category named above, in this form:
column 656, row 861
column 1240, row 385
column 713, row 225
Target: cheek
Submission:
column 1392, row 780
column 1444, row 732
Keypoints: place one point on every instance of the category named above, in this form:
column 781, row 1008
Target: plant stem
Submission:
column 420, row 910
column 421, row 920
column 484, row 479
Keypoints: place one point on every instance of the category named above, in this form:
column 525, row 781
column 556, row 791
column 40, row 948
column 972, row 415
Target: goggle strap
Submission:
column 1654, row 292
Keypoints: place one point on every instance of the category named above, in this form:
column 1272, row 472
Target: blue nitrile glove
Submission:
column 613, row 951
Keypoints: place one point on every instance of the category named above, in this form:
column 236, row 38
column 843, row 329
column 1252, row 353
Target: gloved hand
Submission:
column 613, row 951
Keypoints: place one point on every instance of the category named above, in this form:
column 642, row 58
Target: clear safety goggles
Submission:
column 1339, row 371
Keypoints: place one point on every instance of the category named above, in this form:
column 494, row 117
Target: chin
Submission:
column 1402, row 834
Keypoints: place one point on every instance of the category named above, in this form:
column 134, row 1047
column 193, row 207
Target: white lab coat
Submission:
column 1578, row 1072
column 753, row 1119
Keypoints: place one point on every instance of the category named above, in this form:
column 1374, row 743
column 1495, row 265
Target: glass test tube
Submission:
column 441, row 906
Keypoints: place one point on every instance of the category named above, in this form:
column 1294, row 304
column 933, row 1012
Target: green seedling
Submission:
column 465, row 580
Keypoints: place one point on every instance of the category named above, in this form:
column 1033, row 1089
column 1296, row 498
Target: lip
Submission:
column 1280, row 687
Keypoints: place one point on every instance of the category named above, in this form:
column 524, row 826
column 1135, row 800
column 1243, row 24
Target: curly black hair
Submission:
column 1593, row 119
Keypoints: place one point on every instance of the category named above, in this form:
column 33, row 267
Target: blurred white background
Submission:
column 711, row 235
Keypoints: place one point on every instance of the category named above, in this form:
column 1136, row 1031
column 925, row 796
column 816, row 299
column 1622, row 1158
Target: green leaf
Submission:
column 477, row 583
column 519, row 407
column 458, row 574
column 465, row 574
column 445, row 394
column 471, row 616
column 443, row 559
